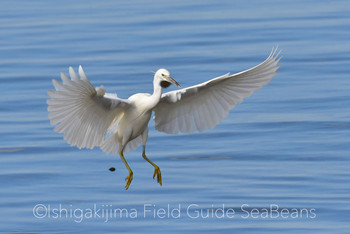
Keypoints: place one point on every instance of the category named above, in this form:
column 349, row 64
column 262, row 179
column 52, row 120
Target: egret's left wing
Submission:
column 203, row 106
column 82, row 112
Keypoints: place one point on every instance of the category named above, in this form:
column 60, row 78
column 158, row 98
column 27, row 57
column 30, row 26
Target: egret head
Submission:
column 163, row 75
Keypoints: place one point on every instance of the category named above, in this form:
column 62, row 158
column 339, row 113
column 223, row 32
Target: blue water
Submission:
column 279, row 162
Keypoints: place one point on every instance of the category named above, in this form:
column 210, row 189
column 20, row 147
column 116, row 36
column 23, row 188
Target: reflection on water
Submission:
column 200, row 158
column 9, row 150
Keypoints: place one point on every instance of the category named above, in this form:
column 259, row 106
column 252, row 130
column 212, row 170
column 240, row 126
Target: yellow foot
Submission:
column 129, row 179
column 159, row 175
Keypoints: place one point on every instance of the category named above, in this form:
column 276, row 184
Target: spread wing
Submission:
column 203, row 106
column 82, row 112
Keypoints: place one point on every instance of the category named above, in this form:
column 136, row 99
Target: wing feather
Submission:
column 82, row 112
column 203, row 106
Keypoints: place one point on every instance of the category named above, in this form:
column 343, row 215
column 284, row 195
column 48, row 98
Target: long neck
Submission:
column 157, row 93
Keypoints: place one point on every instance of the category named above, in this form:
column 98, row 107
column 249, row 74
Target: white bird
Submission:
column 85, row 114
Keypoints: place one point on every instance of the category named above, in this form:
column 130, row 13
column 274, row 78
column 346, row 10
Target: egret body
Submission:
column 86, row 114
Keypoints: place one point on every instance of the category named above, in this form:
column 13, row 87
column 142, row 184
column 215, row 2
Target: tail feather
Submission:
column 111, row 145
column 134, row 144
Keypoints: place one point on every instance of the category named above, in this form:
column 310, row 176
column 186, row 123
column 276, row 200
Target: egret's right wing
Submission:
column 82, row 112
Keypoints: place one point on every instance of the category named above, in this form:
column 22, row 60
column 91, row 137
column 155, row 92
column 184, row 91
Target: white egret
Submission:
column 85, row 114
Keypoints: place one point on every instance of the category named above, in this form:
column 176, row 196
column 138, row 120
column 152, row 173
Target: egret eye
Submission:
column 163, row 75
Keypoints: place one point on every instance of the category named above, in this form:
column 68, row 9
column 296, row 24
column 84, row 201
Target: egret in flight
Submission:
column 87, row 115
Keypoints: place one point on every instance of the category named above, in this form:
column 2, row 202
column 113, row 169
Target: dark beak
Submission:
column 174, row 82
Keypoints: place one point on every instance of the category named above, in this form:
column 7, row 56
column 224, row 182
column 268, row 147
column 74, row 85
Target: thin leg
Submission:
column 129, row 177
column 156, row 168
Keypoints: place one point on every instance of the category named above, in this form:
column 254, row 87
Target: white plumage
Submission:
column 85, row 114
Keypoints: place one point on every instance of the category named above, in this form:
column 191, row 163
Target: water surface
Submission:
column 287, row 145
